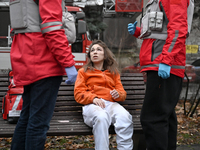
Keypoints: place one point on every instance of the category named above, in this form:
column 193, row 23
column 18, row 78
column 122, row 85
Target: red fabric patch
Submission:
column 175, row 1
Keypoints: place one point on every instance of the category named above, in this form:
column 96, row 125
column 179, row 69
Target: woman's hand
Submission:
column 99, row 102
column 114, row 94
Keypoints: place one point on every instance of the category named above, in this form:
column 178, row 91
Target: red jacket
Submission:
column 34, row 55
column 96, row 83
column 172, row 51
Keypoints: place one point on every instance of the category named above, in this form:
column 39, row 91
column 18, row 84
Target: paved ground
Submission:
column 185, row 147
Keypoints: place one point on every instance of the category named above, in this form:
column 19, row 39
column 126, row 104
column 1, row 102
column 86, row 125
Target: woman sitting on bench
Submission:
column 98, row 87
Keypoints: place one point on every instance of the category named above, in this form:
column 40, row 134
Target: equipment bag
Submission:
column 68, row 22
column 12, row 101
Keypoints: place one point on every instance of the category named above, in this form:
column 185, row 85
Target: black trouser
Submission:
column 39, row 100
column 158, row 117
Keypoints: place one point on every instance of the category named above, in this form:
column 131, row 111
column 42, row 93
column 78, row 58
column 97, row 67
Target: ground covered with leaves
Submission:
column 188, row 127
column 188, row 134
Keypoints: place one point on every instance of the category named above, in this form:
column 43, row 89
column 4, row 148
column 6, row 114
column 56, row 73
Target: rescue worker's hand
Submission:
column 71, row 74
column 164, row 71
column 114, row 94
column 132, row 27
column 99, row 102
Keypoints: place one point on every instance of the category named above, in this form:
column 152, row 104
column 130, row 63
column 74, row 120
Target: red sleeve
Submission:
column 51, row 11
column 176, row 11
column 137, row 32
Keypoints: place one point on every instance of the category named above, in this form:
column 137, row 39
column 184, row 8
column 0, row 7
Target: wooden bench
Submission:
column 67, row 118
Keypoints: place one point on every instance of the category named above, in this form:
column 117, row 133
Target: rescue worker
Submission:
column 164, row 29
column 40, row 56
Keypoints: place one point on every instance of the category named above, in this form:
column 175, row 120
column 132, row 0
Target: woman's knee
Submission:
column 124, row 115
column 102, row 117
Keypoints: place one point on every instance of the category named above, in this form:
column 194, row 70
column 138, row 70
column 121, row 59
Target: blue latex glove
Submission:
column 71, row 74
column 164, row 71
column 132, row 27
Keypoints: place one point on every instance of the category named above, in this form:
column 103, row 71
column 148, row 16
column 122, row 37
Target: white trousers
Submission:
column 100, row 120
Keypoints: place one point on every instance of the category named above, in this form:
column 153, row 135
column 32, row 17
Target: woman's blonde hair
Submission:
column 109, row 58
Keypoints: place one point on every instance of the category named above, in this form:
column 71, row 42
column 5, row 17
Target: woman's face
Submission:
column 97, row 54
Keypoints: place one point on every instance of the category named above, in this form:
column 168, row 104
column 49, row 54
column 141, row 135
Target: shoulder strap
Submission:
column 165, row 16
column 37, row 2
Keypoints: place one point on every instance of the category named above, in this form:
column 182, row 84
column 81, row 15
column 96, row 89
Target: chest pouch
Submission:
column 18, row 16
column 152, row 21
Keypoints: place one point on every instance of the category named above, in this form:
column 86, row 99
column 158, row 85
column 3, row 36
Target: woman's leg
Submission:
column 122, row 121
column 97, row 118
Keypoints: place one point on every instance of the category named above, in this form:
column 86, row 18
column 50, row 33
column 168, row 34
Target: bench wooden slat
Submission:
column 67, row 98
column 131, row 79
column 134, row 97
column 133, row 87
column 3, row 84
column 132, row 74
column 67, row 108
column 3, row 89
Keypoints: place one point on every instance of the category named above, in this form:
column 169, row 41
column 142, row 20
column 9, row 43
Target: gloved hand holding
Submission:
column 132, row 27
column 164, row 71
column 72, row 74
